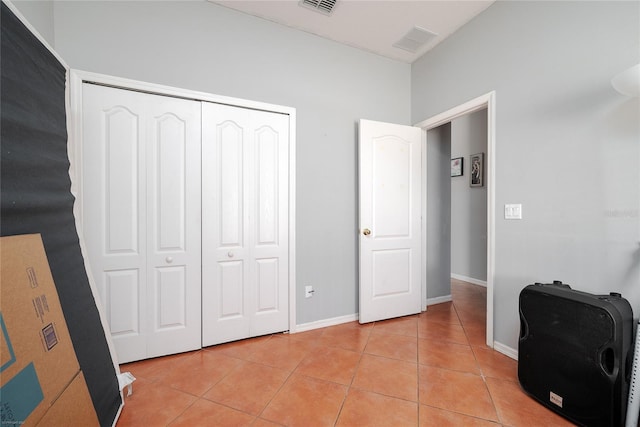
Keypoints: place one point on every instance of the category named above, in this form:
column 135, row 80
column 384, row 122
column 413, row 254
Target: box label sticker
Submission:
column 50, row 336
column 33, row 280
column 20, row 396
column 555, row 399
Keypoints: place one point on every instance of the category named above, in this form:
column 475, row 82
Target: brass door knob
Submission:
column 366, row 231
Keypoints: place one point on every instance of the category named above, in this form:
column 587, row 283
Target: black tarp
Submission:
column 35, row 193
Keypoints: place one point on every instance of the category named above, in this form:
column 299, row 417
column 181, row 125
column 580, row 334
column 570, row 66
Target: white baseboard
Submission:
column 469, row 279
column 326, row 323
column 438, row 300
column 506, row 350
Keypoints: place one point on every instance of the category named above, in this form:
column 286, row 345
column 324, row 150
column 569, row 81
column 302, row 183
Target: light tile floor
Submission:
column 431, row 369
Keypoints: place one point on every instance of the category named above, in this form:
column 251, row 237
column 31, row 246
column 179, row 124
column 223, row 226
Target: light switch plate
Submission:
column 513, row 211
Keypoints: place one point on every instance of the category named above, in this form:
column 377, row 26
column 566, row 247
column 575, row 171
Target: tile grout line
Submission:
column 482, row 375
column 353, row 377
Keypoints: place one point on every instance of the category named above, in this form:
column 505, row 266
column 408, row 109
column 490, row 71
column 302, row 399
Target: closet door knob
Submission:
column 169, row 259
column 230, row 254
column 366, row 231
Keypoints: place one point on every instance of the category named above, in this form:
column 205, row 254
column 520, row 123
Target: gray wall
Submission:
column 40, row 15
column 202, row 46
column 469, row 204
column 567, row 145
column 439, row 212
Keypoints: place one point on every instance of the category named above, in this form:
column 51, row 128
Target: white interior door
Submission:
column 141, row 217
column 244, row 223
column 390, row 220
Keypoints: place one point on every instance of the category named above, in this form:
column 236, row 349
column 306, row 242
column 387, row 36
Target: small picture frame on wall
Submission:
column 456, row 166
column 477, row 170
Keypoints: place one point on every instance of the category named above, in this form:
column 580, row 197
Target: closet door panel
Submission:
column 141, row 217
column 121, row 180
column 224, row 224
column 113, row 211
column 245, row 223
column 267, row 285
column 173, row 195
column 269, row 272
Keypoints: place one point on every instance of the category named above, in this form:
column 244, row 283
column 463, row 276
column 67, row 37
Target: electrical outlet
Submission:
column 308, row 291
column 513, row 211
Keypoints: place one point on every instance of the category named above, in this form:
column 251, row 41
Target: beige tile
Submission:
column 305, row 401
column 363, row 408
column 456, row 391
column 390, row 377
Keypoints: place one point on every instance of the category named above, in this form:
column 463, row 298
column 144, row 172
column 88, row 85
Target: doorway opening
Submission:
column 487, row 102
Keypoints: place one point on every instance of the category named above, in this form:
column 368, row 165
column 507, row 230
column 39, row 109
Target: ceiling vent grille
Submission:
column 322, row 6
column 415, row 39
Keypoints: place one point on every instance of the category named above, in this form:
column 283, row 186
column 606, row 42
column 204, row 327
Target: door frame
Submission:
column 487, row 101
column 76, row 80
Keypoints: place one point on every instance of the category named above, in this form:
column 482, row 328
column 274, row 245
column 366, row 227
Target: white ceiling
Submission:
column 369, row 25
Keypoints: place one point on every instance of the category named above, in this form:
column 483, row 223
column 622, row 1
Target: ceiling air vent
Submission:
column 415, row 39
column 322, row 6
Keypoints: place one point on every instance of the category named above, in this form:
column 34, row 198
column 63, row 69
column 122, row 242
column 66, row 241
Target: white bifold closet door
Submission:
column 244, row 223
column 141, row 215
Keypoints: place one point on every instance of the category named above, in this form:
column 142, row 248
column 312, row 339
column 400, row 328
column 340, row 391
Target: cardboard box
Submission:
column 37, row 359
column 73, row 408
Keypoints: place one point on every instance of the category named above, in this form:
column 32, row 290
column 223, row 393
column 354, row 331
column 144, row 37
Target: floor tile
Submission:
column 390, row 377
column 516, row 409
column 435, row 417
column 153, row 404
column 363, row 408
column 477, row 335
column 281, row 352
column 249, row 387
column 260, row 422
column 444, row 312
column 456, row 391
column 214, row 414
column 154, row 369
column 496, row 365
column 241, row 349
column 450, row 332
column 305, row 401
column 393, row 346
column 199, row 372
column 457, row 357
column 331, row 364
column 349, row 336
column 428, row 369
column 400, row 326
column 472, row 316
